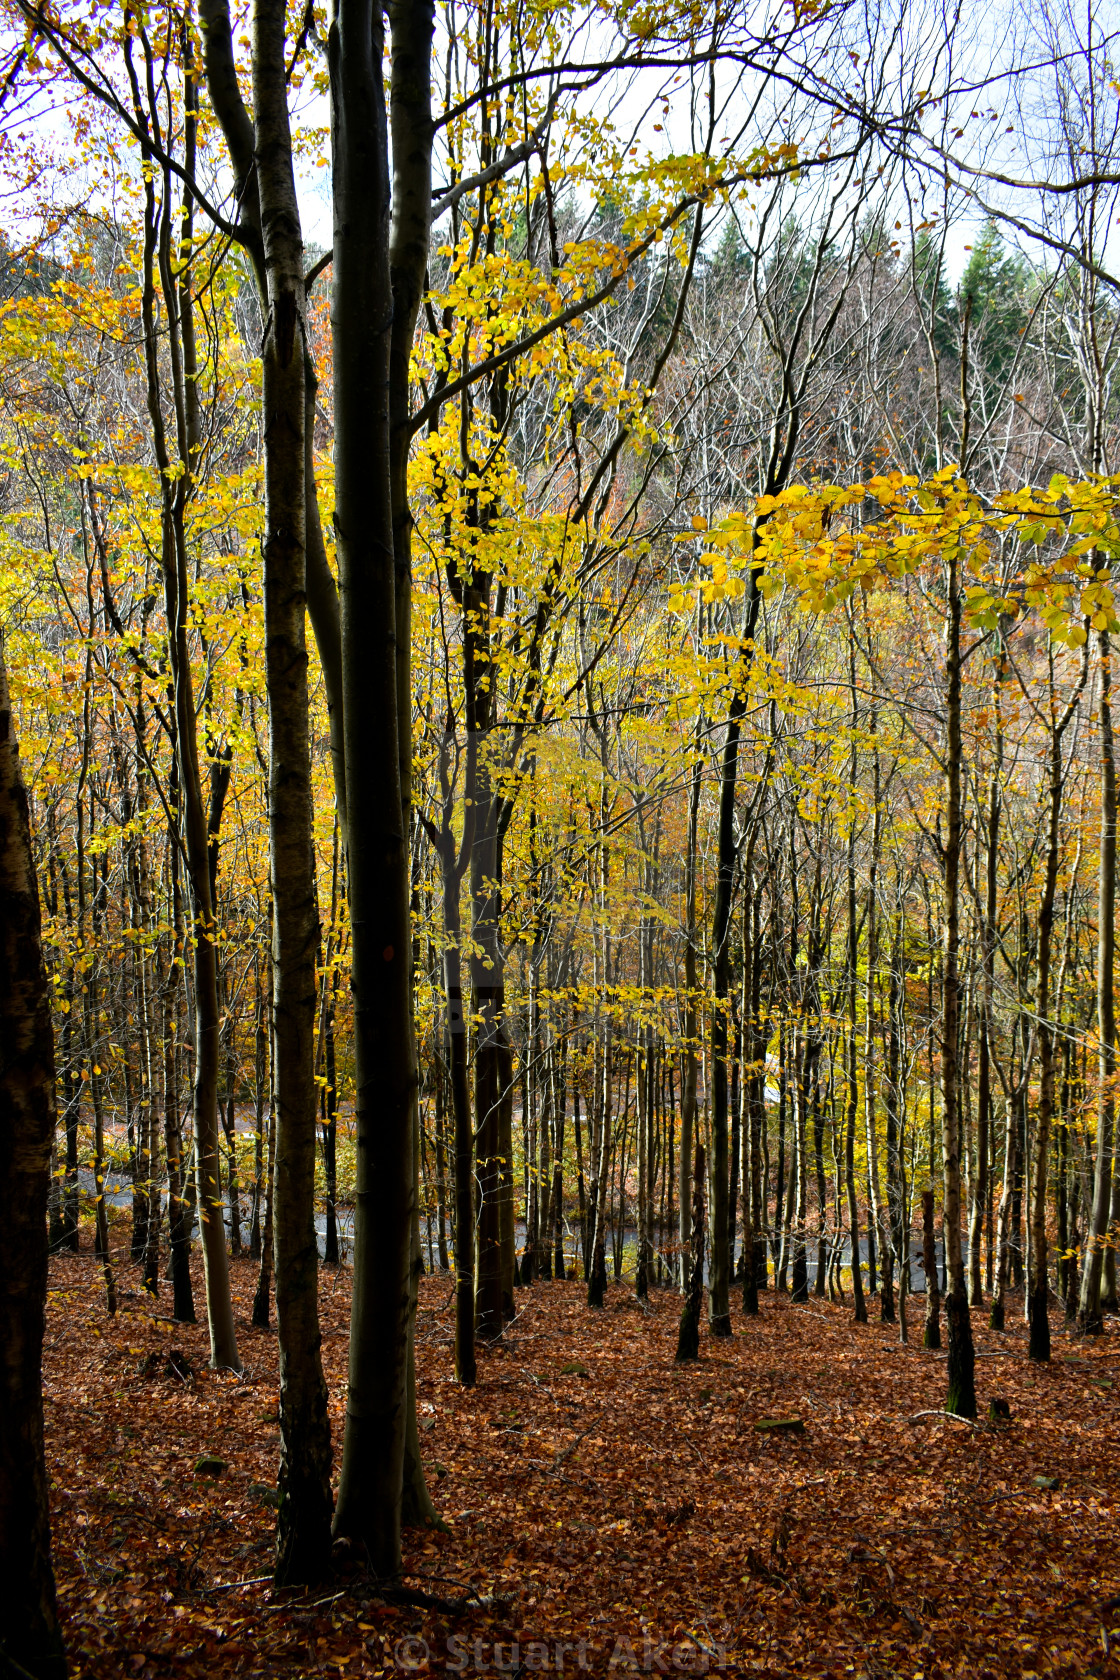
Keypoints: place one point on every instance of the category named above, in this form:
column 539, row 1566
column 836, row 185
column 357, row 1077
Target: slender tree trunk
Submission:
column 260, row 1106
column 982, row 1193
column 97, row 1100
column 691, row 1026
column 179, row 1216
column 262, row 1296
column 489, row 1003
column 799, row 1184
column 557, row 1199
column 931, row 1335
column 688, row 1335
column 304, row 1513
column 1038, row 1285
column 1003, row 1224
column 1089, row 1309
column 852, row 1105
column 329, row 1105
column 376, row 293
column 719, row 1293
column 417, row 1509
column 177, row 477
column 961, row 1396
column 464, row 1168
column 748, row 1142
column 141, row 904
column 601, row 1138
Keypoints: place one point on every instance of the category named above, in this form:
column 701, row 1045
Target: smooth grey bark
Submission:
column 29, row 1635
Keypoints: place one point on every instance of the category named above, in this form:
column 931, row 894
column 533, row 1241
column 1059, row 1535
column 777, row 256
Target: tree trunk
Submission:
column 489, row 1004
column 961, row 1396
column 691, row 1028
column 1089, row 1308
column 177, row 480
column 260, row 1104
column 179, row 1218
column 304, row 1513
column 263, row 1294
column 931, row 1335
column 982, row 1190
column 799, row 1183
column 30, row 1635
column 719, row 1294
column 1038, row 1285
column 688, row 1335
column 852, row 1106
column 367, row 329
column 1003, row 1224
column 465, row 1370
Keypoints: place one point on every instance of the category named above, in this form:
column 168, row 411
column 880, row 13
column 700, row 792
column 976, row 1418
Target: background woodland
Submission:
column 682, row 853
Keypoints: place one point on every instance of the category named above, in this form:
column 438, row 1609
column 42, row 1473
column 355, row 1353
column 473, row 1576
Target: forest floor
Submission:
column 620, row 1505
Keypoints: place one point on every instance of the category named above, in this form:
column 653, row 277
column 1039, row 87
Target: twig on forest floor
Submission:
column 301, row 1604
column 228, row 1586
column 432, row 1310
column 448, row 1580
column 394, row 1593
column 955, row 1416
column 1017, row 1493
column 915, row 1624
column 17, row 1669
column 499, row 1603
column 558, row 1458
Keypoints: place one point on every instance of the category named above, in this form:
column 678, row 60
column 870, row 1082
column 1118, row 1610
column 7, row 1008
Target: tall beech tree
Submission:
column 304, row 1512
column 175, row 448
column 364, row 323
